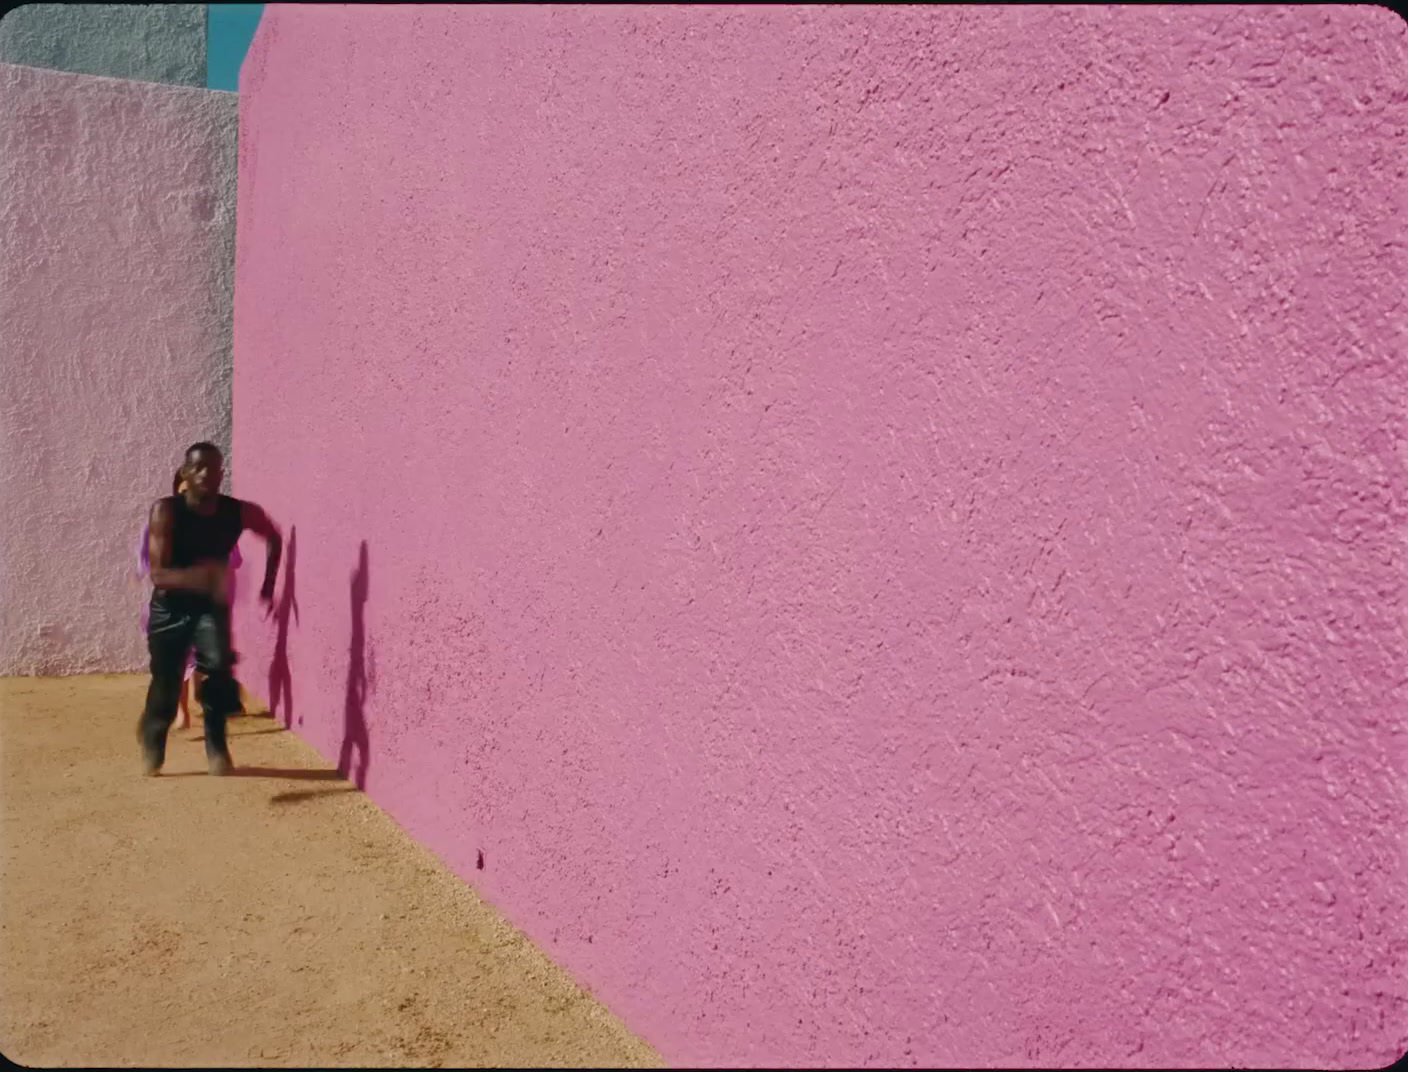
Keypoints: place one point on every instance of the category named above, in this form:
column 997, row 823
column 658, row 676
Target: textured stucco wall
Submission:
column 882, row 526
column 116, row 262
column 148, row 42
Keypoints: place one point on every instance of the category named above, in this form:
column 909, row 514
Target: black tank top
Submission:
column 195, row 537
column 200, row 536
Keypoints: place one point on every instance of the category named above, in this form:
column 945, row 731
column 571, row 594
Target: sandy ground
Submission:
column 278, row 919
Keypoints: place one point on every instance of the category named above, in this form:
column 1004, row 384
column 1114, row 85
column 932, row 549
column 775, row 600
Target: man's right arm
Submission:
column 198, row 578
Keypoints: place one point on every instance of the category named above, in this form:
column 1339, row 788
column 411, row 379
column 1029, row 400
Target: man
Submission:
column 191, row 537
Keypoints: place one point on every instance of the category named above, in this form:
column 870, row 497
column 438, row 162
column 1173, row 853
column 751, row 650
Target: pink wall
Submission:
column 883, row 526
column 116, row 236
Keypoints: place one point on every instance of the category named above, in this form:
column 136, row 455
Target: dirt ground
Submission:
column 277, row 919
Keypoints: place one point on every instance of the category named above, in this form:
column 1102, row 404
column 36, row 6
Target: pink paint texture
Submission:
column 115, row 242
column 883, row 525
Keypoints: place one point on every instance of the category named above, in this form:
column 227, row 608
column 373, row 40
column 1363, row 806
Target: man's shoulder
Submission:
column 236, row 508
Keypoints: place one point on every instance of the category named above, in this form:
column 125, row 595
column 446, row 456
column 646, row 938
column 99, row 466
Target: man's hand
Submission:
column 266, row 597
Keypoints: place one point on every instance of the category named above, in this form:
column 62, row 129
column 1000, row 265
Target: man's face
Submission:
column 204, row 471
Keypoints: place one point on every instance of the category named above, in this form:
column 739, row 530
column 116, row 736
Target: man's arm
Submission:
column 259, row 523
column 199, row 578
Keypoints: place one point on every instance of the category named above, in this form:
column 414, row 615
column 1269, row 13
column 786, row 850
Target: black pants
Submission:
column 173, row 628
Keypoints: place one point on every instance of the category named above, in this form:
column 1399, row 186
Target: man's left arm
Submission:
column 258, row 522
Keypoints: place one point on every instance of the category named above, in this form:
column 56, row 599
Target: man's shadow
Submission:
column 354, row 730
column 280, row 674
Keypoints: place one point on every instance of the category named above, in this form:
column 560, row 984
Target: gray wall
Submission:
column 146, row 42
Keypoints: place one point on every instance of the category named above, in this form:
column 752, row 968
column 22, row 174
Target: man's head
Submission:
column 204, row 469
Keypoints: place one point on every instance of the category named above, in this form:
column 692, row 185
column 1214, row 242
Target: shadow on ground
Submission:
column 293, row 796
column 292, row 773
column 232, row 733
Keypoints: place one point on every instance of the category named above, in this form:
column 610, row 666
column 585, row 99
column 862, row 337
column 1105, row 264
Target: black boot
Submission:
column 217, row 751
column 151, row 738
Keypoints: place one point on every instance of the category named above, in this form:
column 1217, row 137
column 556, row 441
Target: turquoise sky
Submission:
column 228, row 35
